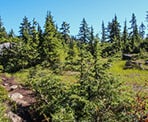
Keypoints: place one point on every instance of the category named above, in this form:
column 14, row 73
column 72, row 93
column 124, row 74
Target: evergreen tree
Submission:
column 114, row 31
column 125, row 33
column 25, row 30
column 134, row 35
column 52, row 48
column 142, row 30
column 103, row 39
column 72, row 58
column 125, row 41
column 147, row 19
column 3, row 33
column 40, row 34
column 65, row 31
column 34, row 33
column 91, row 42
column 96, row 59
column 114, row 38
column 11, row 34
column 84, row 32
column 147, row 16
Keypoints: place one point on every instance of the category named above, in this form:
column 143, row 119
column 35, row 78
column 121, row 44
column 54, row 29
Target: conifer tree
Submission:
column 84, row 38
column 125, row 41
column 114, row 31
column 72, row 58
column 103, row 39
column 25, row 30
column 125, row 33
column 84, row 32
column 134, row 35
column 3, row 33
column 11, row 33
column 34, row 33
column 113, row 37
column 65, row 31
column 142, row 30
column 91, row 42
column 52, row 47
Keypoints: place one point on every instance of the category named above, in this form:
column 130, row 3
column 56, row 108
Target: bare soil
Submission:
column 23, row 107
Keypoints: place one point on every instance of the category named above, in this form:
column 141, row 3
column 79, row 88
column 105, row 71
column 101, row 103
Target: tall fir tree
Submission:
column 65, row 32
column 34, row 33
column 85, row 55
column 52, row 48
column 125, row 33
column 11, row 34
column 134, row 35
column 25, row 30
column 91, row 42
column 125, row 41
column 103, row 38
column 114, row 31
column 142, row 30
column 3, row 33
column 84, row 32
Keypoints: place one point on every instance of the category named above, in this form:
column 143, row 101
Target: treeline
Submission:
column 54, row 47
column 96, row 96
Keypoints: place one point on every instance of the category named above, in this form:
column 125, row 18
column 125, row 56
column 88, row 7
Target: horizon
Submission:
column 72, row 12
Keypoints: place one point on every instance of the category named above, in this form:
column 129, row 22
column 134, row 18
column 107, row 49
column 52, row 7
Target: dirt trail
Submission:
column 23, row 97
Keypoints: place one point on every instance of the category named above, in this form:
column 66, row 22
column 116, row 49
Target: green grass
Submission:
column 128, row 75
column 21, row 76
column 69, row 77
column 3, row 98
column 135, row 82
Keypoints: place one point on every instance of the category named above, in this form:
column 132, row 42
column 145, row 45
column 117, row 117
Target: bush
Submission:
column 3, row 97
column 89, row 99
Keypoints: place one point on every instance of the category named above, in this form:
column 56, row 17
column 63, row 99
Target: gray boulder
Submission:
column 14, row 117
column 16, row 96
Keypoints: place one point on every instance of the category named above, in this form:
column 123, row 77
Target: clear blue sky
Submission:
column 71, row 11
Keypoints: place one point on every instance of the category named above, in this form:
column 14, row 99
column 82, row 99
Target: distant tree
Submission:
column 134, row 35
column 103, row 39
column 147, row 16
column 65, row 31
column 11, row 33
column 25, row 30
column 91, row 42
column 114, row 37
column 125, row 33
column 72, row 58
column 114, row 31
column 34, row 33
column 52, row 48
column 40, row 33
column 142, row 30
column 147, row 19
column 84, row 32
column 96, row 59
column 125, row 41
column 3, row 33
column 84, row 38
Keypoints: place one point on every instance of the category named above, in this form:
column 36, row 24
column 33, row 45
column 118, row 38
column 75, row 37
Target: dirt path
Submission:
column 23, row 97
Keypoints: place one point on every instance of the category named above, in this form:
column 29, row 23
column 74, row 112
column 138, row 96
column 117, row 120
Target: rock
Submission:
column 4, row 79
column 129, row 56
column 130, row 64
column 5, row 84
column 21, row 102
column 13, row 87
column 14, row 117
column 16, row 96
